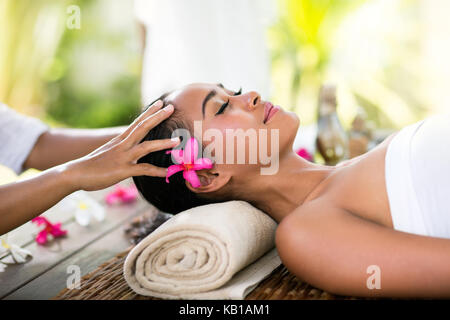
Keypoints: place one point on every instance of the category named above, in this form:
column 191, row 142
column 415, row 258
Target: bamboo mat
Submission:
column 107, row 281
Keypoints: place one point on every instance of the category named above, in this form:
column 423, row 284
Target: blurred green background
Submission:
column 86, row 77
column 378, row 52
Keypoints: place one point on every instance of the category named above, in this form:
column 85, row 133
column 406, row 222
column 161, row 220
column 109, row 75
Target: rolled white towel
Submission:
column 215, row 251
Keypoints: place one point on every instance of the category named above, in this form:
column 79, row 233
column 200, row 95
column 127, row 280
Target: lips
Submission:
column 269, row 111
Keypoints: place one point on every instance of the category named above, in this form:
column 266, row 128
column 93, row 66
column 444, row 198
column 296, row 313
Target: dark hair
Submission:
column 172, row 197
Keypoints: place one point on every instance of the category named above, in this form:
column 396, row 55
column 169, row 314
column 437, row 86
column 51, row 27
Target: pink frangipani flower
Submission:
column 122, row 195
column 50, row 229
column 188, row 162
column 302, row 152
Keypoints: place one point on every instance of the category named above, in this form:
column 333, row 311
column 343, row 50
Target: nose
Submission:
column 250, row 100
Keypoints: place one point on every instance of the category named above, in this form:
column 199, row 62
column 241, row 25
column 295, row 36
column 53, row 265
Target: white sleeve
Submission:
column 18, row 135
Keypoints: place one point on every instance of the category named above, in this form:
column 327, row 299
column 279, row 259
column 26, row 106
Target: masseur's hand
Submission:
column 117, row 159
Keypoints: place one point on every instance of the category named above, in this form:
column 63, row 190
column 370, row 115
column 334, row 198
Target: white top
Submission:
column 205, row 41
column 418, row 177
column 18, row 135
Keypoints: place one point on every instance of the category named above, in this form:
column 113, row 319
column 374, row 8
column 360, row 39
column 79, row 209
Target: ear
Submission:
column 210, row 181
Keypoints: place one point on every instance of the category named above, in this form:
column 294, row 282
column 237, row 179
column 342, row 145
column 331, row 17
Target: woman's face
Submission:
column 228, row 112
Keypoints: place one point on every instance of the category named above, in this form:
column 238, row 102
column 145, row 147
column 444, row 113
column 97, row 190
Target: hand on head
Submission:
column 117, row 159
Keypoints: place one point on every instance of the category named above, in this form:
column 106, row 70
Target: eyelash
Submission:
column 223, row 107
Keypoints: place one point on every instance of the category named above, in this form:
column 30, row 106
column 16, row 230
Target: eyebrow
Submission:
column 211, row 94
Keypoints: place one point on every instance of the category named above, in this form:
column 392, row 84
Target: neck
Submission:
column 296, row 182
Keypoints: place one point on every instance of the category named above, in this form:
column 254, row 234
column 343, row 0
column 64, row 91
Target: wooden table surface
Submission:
column 46, row 274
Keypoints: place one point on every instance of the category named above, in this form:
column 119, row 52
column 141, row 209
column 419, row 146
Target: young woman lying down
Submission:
column 385, row 212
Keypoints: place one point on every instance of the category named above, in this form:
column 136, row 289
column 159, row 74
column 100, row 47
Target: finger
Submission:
column 150, row 110
column 146, row 169
column 147, row 147
column 147, row 124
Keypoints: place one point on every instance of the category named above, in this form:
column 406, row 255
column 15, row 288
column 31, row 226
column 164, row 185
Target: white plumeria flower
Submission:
column 3, row 246
column 19, row 254
column 3, row 252
column 84, row 207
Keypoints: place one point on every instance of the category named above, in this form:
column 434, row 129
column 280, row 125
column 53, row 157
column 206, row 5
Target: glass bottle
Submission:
column 360, row 135
column 332, row 140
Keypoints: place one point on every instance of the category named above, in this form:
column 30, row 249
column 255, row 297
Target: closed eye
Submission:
column 222, row 108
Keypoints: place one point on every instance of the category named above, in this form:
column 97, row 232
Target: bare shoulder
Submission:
column 333, row 249
column 310, row 221
column 314, row 212
column 311, row 226
column 310, row 241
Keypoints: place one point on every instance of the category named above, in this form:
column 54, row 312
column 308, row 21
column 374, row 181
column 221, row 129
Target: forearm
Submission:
column 60, row 145
column 112, row 162
column 21, row 201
